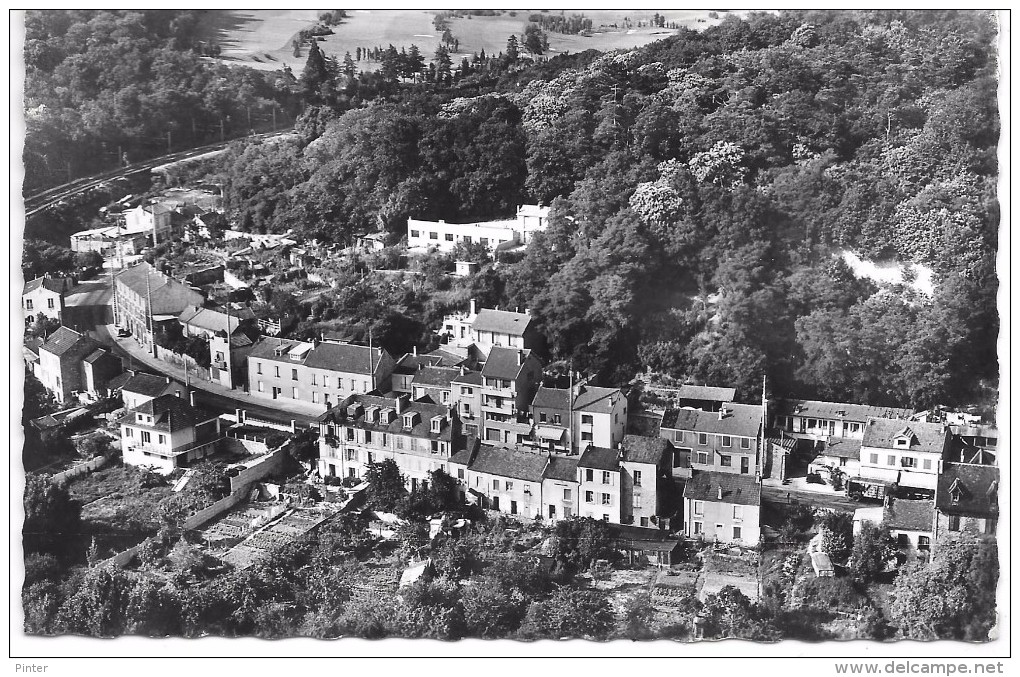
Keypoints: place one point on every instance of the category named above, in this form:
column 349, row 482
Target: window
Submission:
column 445, row 397
column 902, row 540
column 890, row 460
column 589, row 475
column 315, row 379
column 162, row 439
column 527, row 489
column 702, row 438
column 745, row 465
column 954, row 522
column 467, row 239
column 415, row 233
column 702, row 457
column 589, row 497
column 495, row 484
column 855, row 427
column 261, row 388
column 605, row 517
column 276, row 371
column 637, row 500
column 737, row 533
column 146, row 437
column 727, row 441
column 812, row 423
column 697, row 528
column 637, row 478
column 873, row 459
column 923, row 543
column 644, row 521
column 699, row 508
column 509, row 485
column 258, row 367
column 513, row 507
column 460, row 473
column 130, row 432
column 484, row 241
column 294, row 392
column 541, row 417
column 433, row 236
column 745, row 442
column 586, row 437
column 725, row 461
column 605, row 477
column 352, row 454
column 399, row 442
column 678, row 435
column 315, row 397
column 49, row 303
column 738, row 513
column 28, row 304
column 926, row 464
column 293, row 374
column 908, row 461
column 449, row 237
column 557, row 419
column 567, row 494
column 368, row 437
column 350, row 434
column 587, row 419
column 902, row 442
column 607, row 499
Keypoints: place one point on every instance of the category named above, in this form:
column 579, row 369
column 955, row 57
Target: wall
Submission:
column 722, row 513
column 79, row 470
column 258, row 469
column 596, row 509
column 552, row 495
column 714, row 448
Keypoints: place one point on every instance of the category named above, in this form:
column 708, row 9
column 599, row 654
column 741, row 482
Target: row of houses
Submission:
column 496, row 236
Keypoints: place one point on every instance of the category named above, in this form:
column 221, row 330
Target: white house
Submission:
column 495, row 235
column 168, row 432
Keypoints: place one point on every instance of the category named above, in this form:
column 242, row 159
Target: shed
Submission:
column 822, row 565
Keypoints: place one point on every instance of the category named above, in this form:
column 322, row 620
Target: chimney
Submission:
column 887, row 501
column 178, row 393
column 415, row 349
column 719, row 495
column 191, row 397
column 400, row 402
column 527, row 311
column 168, row 380
column 473, row 307
column 462, row 370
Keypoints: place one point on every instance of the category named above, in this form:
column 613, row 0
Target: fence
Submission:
column 257, row 470
column 245, row 417
column 79, row 470
column 183, row 362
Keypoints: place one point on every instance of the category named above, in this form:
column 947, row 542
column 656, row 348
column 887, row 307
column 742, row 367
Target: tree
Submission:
column 533, row 39
column 492, row 610
column 570, row 613
column 51, row 515
column 837, row 535
column 98, row 607
column 349, row 69
column 386, row 485
column 443, row 63
column 580, row 541
column 953, row 595
column 730, row 614
column 873, row 548
column 314, row 75
column 513, row 50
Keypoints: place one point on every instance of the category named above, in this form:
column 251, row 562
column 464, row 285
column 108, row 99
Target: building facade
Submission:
column 494, row 235
column 905, row 453
column 967, row 500
column 726, row 441
column 510, row 378
column 145, row 298
column 816, row 420
column 168, row 432
column 723, row 507
column 61, row 359
column 44, row 297
column 568, row 424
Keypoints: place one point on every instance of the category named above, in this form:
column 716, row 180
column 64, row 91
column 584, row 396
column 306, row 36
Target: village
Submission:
column 174, row 354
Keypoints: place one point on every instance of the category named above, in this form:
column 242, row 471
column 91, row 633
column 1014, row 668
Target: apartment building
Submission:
column 908, row 454
column 481, row 330
column 467, row 395
column 363, row 429
column 61, row 359
column 560, row 488
column 645, row 463
column 503, row 479
column 726, row 441
column 145, row 299
column 567, row 424
column 818, row 421
column 723, row 507
column 316, row 372
column 966, row 500
column 600, row 486
column 510, row 378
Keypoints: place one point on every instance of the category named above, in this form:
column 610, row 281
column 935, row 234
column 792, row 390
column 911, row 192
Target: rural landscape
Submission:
column 512, row 324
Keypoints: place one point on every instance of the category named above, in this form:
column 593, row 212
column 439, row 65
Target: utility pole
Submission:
column 371, row 358
column 168, row 142
column 148, row 309
column 570, row 410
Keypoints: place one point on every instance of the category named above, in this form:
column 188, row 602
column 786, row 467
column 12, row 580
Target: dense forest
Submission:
column 103, row 87
column 701, row 187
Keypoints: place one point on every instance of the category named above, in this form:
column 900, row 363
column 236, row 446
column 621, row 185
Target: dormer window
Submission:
column 372, row 415
column 410, row 420
column 902, row 442
column 437, row 424
column 956, row 492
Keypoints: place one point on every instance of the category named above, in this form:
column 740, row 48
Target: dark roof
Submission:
column 33, row 343
column 785, row 442
column 907, row 515
column 561, row 468
column 119, row 380
column 644, row 423
column 168, row 296
column 447, row 358
column 422, row 428
column 599, row 458
column 504, row 462
column 743, row 420
column 925, row 437
column 169, row 413
column 471, row 378
column 736, row 489
column 342, row 357
column 505, row 362
column 640, row 449
column 588, row 398
column 53, row 284
column 501, row 322
column 63, row 340
column 209, row 319
column 96, row 355
column 976, row 487
column 435, row 377
column 837, row 410
column 411, row 363
column 462, row 457
column 843, row 447
column 146, row 384
column 709, row 393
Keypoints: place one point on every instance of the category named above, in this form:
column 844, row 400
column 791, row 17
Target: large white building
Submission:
column 496, row 235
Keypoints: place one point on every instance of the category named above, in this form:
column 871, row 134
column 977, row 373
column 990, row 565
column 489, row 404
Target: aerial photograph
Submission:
column 665, row 327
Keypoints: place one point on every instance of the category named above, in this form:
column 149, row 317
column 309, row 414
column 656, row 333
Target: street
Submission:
column 778, row 494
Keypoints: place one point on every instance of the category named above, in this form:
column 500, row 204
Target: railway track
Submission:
column 45, row 199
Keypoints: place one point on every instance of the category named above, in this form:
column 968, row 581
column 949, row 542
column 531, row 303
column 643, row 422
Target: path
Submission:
column 833, row 501
column 212, row 395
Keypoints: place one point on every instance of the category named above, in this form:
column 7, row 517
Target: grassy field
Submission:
column 262, row 38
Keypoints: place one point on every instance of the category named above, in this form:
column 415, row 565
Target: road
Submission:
column 47, row 198
column 207, row 394
column 778, row 495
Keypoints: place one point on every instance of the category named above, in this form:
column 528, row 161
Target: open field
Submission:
column 262, row 38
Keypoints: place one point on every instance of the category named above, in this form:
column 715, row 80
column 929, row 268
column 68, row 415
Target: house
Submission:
column 975, row 443
column 435, row 383
column 200, row 275
column 966, row 500
column 569, row 424
column 723, row 441
column 509, row 380
column 406, row 367
column 481, row 330
column 600, row 487
column 363, row 429
column 503, row 479
column 207, row 322
column 722, row 506
column 138, row 388
column 467, row 395
column 168, row 432
column 904, row 453
column 560, row 488
column 88, row 305
column 145, row 299
column 30, row 354
column 155, row 220
column 44, row 297
column 316, row 372
column 841, row 454
column 61, row 357
column 100, row 368
column 645, row 464
column 494, row 235
column 228, row 355
column 465, row 268
column 114, row 240
column 910, row 523
column 707, row 398
column 818, row 421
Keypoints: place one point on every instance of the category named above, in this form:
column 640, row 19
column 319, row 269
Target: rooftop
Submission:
column 341, row 357
column 975, row 489
column 588, row 398
column 709, row 393
column 640, row 449
column 501, row 322
column 169, row 413
column 64, row 340
column 837, row 410
column 705, row 485
column 209, row 319
column 843, row 447
column 741, row 420
column 882, row 433
column 422, row 427
column 561, row 468
column 907, row 515
column 146, row 384
column 435, row 377
column 599, row 458
column 505, row 363
column 509, row 463
column 53, row 284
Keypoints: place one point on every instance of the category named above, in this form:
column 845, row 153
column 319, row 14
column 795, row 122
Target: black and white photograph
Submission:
column 595, row 332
